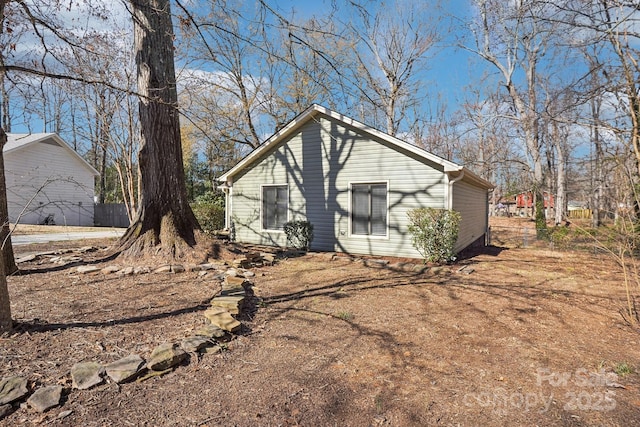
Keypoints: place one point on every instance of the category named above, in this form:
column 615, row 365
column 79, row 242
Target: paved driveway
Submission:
column 55, row 237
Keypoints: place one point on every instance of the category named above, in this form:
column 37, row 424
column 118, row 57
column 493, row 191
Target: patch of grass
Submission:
column 623, row 369
column 602, row 365
column 344, row 315
column 379, row 402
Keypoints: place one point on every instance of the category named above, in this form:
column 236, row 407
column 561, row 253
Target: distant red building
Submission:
column 525, row 200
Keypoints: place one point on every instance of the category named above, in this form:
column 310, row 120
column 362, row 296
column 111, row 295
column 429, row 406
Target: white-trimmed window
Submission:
column 369, row 209
column 275, row 206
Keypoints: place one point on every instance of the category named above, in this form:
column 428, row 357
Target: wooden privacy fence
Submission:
column 579, row 214
column 110, row 215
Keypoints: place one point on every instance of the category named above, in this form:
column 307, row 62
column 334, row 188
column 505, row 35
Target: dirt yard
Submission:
column 512, row 336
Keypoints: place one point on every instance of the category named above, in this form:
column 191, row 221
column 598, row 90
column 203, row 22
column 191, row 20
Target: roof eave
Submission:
column 290, row 128
column 62, row 144
column 314, row 109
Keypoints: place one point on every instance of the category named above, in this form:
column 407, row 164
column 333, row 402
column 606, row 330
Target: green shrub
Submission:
column 560, row 235
column 209, row 211
column 434, row 233
column 299, row 234
column 542, row 232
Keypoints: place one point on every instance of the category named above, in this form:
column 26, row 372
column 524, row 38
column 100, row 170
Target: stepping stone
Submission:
column 67, row 260
column 268, row 258
column 212, row 350
column 127, row 271
column 233, row 291
column 231, row 272
column 26, row 258
column 166, row 356
column 85, row 269
column 110, row 269
column 163, row 269
column 235, row 281
column 173, row 268
column 12, row 389
column 125, row 369
column 253, row 256
column 233, row 304
column 195, row 343
column 210, row 331
column 222, row 319
column 85, row 375
column 45, row 398
column 177, row 268
column 209, row 266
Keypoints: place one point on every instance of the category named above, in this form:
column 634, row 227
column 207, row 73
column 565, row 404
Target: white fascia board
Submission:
column 30, row 139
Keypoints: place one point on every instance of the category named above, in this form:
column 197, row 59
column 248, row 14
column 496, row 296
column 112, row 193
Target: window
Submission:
column 369, row 209
column 275, row 206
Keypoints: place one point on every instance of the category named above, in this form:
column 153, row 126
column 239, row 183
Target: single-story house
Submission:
column 47, row 181
column 353, row 183
column 524, row 203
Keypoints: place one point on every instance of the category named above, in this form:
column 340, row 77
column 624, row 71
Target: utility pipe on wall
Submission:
column 450, row 195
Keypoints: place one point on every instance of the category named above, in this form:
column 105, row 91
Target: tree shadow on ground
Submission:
column 38, row 325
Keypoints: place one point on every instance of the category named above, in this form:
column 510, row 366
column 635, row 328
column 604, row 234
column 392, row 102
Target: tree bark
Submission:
column 165, row 224
column 597, row 176
column 6, row 324
column 7, row 253
column 561, row 182
column 9, row 262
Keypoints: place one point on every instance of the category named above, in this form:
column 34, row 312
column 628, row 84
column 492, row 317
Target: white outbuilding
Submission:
column 47, row 181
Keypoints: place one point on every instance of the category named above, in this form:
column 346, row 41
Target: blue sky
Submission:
column 449, row 72
column 446, row 77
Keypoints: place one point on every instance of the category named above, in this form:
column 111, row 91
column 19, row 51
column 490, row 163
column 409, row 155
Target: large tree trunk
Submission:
column 165, row 224
column 5, row 305
column 9, row 262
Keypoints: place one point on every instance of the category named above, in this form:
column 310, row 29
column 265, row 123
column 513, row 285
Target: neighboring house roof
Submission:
column 20, row 141
column 315, row 110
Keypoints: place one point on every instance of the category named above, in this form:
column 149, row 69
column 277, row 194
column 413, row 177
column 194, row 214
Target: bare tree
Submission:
column 124, row 148
column 222, row 103
column 558, row 130
column 618, row 21
column 487, row 144
column 606, row 32
column 514, row 38
column 390, row 48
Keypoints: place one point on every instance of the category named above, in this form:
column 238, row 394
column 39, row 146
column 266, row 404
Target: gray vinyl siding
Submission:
column 319, row 163
column 471, row 202
column 44, row 178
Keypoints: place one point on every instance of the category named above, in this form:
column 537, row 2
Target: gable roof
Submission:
column 20, row 141
column 315, row 110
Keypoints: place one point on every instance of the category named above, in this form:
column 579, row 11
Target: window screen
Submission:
column 275, row 205
column 369, row 209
